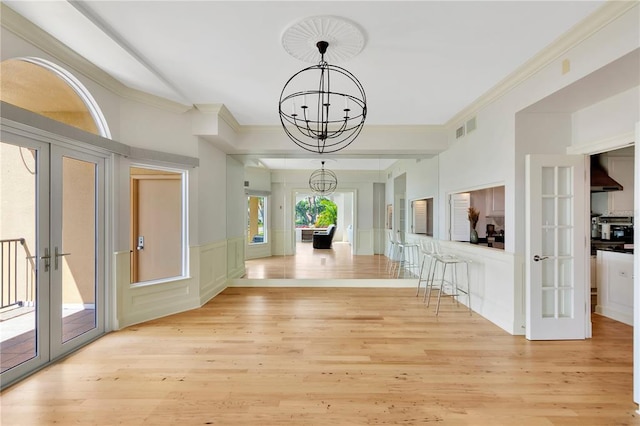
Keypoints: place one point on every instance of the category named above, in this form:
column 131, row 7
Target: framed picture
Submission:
column 389, row 223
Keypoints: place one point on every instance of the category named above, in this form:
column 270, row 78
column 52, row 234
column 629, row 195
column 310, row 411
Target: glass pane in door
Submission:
column 76, row 259
column 557, row 239
column 18, row 237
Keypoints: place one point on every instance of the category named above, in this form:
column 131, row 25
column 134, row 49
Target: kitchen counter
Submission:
column 614, row 282
column 621, row 246
column 618, row 250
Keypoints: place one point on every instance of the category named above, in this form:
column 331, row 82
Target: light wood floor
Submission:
column 334, row 263
column 331, row 356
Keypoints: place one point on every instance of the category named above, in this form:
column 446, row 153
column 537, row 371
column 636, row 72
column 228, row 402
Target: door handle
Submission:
column 537, row 258
column 57, row 255
column 47, row 259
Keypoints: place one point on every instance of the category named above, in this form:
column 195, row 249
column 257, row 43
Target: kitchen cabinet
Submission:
column 614, row 273
column 495, row 201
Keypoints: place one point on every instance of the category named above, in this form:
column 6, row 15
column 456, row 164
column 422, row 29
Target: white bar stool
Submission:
column 427, row 252
column 452, row 261
column 408, row 256
column 391, row 252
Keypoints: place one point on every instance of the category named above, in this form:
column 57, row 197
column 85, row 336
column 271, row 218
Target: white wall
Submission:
column 613, row 116
column 259, row 179
column 422, row 177
column 212, row 188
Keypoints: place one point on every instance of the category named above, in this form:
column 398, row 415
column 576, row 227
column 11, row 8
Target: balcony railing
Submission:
column 17, row 274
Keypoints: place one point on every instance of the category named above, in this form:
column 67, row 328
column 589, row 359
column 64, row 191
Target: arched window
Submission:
column 44, row 88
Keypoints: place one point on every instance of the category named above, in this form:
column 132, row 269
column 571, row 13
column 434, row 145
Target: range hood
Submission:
column 600, row 179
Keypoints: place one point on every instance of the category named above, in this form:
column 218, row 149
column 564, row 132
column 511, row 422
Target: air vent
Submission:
column 246, row 183
column 459, row 132
column 471, row 125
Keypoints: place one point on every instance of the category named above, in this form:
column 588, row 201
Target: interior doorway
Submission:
column 312, row 212
column 612, row 200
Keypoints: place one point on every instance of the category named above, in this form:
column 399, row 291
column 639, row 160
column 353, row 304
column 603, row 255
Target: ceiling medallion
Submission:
column 345, row 37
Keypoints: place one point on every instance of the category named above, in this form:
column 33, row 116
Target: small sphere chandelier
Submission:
column 323, row 181
column 323, row 107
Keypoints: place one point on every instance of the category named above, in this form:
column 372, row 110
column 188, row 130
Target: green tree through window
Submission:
column 314, row 211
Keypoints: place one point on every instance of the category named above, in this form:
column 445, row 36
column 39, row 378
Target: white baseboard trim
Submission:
column 614, row 314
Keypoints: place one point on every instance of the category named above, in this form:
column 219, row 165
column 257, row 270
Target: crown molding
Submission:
column 26, row 30
column 222, row 112
column 606, row 14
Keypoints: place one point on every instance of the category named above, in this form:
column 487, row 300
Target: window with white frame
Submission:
column 158, row 223
column 256, row 219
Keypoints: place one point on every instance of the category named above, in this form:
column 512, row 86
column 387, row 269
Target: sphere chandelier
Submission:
column 323, row 181
column 323, row 107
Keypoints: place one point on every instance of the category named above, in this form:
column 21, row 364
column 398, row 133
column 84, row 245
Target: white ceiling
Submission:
column 423, row 61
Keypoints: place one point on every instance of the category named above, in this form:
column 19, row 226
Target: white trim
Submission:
column 184, row 184
column 603, row 145
column 79, row 88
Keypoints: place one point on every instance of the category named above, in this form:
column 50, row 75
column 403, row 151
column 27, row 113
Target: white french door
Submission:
column 52, row 204
column 76, row 249
column 556, row 285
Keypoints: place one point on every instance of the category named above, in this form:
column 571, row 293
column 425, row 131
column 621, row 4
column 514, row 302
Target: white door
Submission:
column 555, row 261
column 24, row 256
column 77, row 257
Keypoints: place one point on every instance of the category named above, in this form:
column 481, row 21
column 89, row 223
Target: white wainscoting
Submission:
column 258, row 250
column 280, row 245
column 379, row 242
column 235, row 257
column 496, row 281
column 213, row 272
column 144, row 302
column 365, row 241
column 496, row 286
